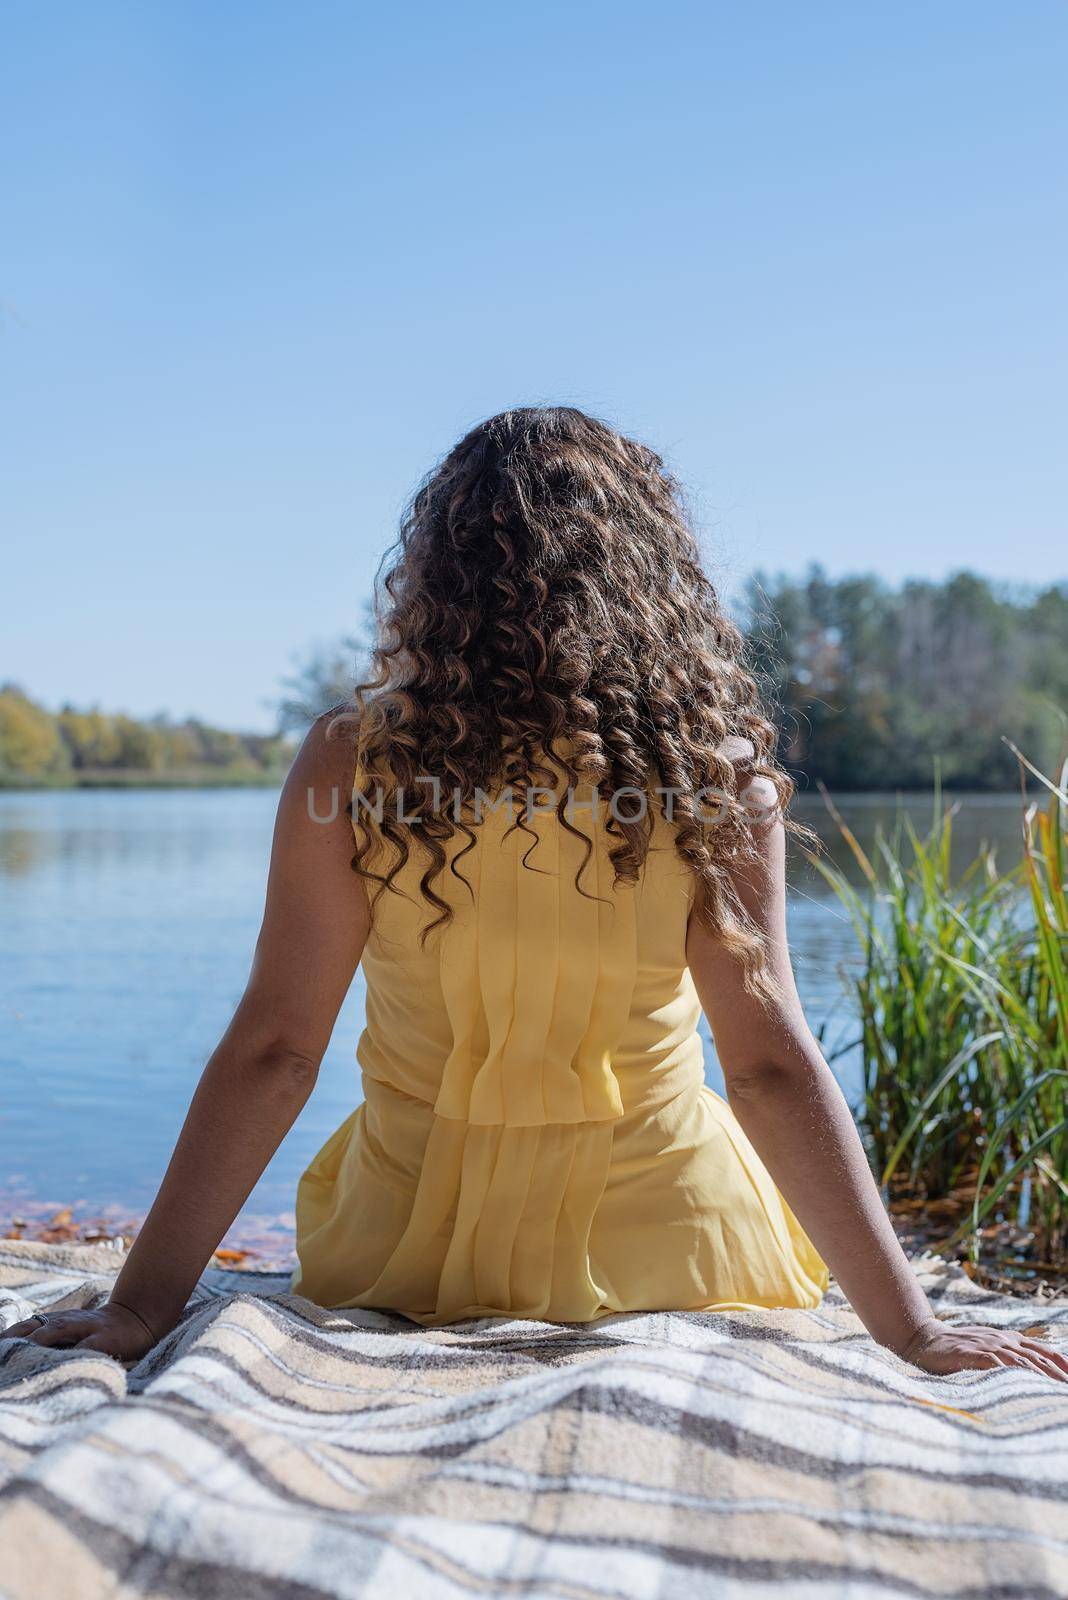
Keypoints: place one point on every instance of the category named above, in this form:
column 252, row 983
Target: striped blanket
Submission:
column 269, row 1448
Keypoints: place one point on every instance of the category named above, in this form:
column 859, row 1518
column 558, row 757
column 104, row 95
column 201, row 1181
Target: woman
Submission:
column 569, row 839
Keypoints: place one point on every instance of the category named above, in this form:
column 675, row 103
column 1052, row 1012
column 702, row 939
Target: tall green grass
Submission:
column 962, row 996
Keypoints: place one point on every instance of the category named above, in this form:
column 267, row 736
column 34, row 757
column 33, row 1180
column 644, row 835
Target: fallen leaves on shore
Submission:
column 1007, row 1265
column 264, row 1244
column 61, row 1227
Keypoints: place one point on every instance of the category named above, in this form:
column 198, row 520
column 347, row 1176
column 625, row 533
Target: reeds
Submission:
column 962, row 997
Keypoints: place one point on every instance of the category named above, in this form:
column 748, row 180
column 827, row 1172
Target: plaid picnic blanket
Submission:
column 270, row 1448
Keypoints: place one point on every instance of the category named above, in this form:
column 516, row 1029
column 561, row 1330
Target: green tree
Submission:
column 142, row 747
column 877, row 686
column 31, row 747
column 91, row 737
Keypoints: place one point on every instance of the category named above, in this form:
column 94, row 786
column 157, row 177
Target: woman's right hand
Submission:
column 111, row 1329
column 943, row 1347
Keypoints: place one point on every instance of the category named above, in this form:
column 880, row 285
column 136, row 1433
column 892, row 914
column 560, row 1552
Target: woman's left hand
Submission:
column 112, row 1330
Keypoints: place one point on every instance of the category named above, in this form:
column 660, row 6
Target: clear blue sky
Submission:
column 261, row 263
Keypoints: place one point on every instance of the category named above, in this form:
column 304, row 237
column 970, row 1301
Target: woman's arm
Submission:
column 787, row 1101
column 263, row 1069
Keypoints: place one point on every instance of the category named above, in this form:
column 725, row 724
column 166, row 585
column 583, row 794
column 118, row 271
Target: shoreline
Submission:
column 254, row 1243
column 92, row 782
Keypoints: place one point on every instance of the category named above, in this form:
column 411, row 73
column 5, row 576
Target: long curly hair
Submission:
column 544, row 619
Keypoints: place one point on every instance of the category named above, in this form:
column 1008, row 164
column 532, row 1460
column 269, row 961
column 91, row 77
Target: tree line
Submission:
column 878, row 687
column 873, row 686
column 72, row 748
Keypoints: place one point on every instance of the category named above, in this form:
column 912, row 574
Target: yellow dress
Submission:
column 536, row 1138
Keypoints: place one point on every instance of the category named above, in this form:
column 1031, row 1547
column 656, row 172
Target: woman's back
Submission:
column 536, row 1138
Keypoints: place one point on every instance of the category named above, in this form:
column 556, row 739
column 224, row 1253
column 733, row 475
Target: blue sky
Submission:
column 261, row 264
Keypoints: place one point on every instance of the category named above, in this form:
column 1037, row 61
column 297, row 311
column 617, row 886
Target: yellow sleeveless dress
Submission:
column 536, row 1138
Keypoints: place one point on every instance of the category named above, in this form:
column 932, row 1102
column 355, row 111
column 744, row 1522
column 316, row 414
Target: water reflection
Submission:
column 993, row 820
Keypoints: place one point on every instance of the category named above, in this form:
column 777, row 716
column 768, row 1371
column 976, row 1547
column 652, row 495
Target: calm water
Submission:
column 127, row 920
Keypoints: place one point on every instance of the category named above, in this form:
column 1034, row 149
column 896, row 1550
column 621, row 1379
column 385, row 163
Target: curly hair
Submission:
column 545, row 617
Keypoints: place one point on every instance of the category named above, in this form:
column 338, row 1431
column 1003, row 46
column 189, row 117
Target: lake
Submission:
column 127, row 920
